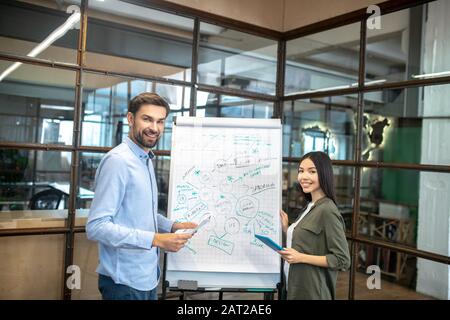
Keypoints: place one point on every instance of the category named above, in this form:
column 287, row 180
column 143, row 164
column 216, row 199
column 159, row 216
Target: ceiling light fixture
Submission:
column 55, row 35
column 429, row 75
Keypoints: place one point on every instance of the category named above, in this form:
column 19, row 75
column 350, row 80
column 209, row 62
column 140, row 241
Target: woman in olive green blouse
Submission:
column 316, row 247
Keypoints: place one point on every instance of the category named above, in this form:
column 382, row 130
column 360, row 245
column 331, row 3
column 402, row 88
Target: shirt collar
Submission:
column 138, row 151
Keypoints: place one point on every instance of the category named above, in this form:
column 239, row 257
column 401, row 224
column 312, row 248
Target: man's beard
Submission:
column 139, row 137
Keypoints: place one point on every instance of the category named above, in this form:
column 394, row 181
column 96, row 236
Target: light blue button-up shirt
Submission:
column 124, row 217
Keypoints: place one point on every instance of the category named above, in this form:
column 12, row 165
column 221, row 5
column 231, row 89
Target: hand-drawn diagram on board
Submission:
column 233, row 173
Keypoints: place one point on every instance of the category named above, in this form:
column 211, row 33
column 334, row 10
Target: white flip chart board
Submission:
column 229, row 169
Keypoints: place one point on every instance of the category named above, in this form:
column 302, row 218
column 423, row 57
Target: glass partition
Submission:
column 37, row 104
column 409, row 44
column 400, row 125
column 40, row 29
column 320, row 124
column 125, row 37
column 323, row 61
column 218, row 105
column 408, row 207
column 34, row 188
column 238, row 60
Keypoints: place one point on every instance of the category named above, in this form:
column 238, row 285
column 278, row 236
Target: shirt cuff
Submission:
column 145, row 239
column 164, row 224
column 332, row 262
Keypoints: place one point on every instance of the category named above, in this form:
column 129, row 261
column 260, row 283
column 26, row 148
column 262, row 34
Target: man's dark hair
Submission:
column 322, row 162
column 147, row 98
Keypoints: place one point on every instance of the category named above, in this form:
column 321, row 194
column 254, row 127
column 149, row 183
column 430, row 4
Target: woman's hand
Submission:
column 284, row 220
column 292, row 256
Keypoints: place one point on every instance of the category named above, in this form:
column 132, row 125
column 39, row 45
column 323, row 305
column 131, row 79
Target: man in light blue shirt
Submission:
column 124, row 215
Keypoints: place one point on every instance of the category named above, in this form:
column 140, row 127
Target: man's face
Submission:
column 147, row 125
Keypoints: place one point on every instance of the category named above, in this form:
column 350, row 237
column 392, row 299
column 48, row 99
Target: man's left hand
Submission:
column 183, row 225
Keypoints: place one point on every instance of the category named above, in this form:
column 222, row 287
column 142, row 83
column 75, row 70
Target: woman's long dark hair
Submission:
column 325, row 172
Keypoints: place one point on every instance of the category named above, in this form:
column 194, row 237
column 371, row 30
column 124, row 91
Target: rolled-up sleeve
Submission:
column 111, row 182
column 339, row 256
column 164, row 224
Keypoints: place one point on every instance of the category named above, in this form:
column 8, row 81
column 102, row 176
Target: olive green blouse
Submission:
column 322, row 233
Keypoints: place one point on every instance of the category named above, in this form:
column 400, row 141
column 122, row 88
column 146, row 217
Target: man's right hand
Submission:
column 170, row 241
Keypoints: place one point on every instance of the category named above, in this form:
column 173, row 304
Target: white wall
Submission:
column 263, row 13
column 279, row 15
column 300, row 13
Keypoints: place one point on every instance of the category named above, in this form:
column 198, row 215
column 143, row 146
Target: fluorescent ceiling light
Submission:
column 369, row 82
column 320, row 90
column 55, row 35
column 45, row 106
column 340, row 87
column 428, row 75
column 326, row 89
column 374, row 82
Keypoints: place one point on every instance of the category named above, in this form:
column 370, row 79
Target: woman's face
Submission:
column 308, row 177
